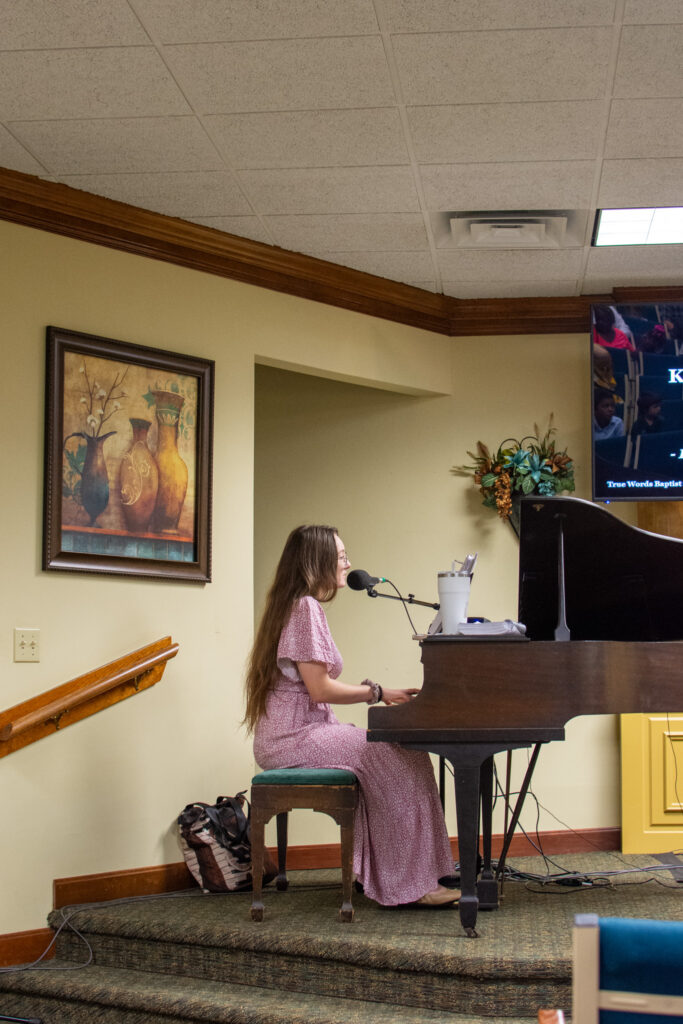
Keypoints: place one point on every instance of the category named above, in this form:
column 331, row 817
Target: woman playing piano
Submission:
column 401, row 845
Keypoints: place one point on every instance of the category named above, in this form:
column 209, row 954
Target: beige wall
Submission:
column 103, row 795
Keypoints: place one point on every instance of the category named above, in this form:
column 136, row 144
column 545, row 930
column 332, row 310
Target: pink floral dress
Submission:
column 401, row 845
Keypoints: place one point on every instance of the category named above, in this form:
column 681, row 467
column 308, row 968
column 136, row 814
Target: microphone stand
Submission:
column 410, row 599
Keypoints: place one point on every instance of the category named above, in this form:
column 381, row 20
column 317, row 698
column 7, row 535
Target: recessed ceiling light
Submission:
column 648, row 226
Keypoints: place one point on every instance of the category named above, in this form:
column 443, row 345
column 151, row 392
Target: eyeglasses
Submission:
column 343, row 558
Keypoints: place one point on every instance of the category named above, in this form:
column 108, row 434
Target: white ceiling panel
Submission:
column 650, row 61
column 244, row 227
column 119, row 145
column 645, row 128
column 517, row 186
column 510, row 265
column 355, row 129
column 656, row 12
column 41, row 85
column 483, row 133
column 310, row 138
column 201, row 21
column 334, row 190
column 635, row 259
column 476, row 67
column 352, row 232
column 283, row 74
column 641, row 183
column 202, row 194
column 478, row 15
column 15, row 157
column 508, row 289
column 45, row 24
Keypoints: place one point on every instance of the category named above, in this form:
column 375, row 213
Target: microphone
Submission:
column 358, row 579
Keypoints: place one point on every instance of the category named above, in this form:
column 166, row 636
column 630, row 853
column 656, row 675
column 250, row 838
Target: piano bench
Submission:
column 332, row 791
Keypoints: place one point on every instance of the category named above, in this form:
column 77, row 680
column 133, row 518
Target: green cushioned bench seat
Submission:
column 305, row 777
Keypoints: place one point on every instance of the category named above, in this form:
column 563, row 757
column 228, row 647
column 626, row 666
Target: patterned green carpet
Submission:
column 199, row 957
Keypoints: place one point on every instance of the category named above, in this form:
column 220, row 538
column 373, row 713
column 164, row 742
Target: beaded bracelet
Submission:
column 377, row 693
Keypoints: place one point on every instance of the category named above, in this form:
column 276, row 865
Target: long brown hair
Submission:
column 307, row 567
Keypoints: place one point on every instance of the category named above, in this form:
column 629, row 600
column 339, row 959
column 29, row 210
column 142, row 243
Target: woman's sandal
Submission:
column 440, row 897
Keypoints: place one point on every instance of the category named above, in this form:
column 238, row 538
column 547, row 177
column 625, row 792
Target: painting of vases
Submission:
column 173, row 473
column 138, row 480
column 129, row 458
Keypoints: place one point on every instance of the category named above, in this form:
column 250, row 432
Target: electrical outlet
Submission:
column 26, row 644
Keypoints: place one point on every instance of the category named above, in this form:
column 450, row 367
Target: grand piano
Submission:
column 602, row 603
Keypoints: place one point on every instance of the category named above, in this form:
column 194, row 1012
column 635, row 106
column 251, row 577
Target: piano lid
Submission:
column 621, row 583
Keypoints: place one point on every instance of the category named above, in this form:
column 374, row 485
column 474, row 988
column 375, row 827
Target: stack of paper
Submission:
column 504, row 628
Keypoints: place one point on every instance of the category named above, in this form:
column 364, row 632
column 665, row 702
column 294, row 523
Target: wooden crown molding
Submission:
column 26, row 199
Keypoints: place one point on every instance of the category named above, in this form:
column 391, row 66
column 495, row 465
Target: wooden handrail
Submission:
column 83, row 696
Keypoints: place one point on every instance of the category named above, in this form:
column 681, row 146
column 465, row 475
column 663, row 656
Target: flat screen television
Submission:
column 637, row 406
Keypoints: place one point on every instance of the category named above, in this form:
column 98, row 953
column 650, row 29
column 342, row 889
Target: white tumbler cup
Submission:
column 454, row 595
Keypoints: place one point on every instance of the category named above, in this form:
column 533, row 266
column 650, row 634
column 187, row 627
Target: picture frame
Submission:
column 128, row 459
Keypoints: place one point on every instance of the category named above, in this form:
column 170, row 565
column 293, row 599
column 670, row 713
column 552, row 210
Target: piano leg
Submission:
column 471, row 762
column 467, row 812
column 487, row 886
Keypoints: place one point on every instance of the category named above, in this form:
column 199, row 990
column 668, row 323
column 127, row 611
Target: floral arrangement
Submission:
column 530, row 466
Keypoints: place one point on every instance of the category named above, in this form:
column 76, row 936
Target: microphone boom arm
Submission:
column 410, row 599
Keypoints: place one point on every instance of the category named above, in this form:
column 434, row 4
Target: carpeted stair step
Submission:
column 412, row 957
column 101, row 995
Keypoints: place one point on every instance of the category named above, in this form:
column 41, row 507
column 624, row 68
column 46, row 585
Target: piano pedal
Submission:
column 453, row 881
column 487, row 892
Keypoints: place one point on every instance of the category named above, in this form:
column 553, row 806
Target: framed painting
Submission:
column 128, row 459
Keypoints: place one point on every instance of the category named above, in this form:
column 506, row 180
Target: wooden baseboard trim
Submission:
column 23, row 947
column 117, row 885
column 113, row 885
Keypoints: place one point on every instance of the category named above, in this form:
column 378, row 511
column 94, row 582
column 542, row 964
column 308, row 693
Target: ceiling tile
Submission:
column 244, row 227
column 15, row 157
column 644, row 261
column 426, row 286
column 310, row 138
column 397, row 266
column 120, row 145
column 595, row 285
column 661, row 12
column 484, row 67
column 287, row 74
column 337, row 190
column 518, row 186
column 650, row 61
column 114, row 82
column 464, row 15
column 38, row 24
column 351, row 232
column 641, row 183
column 510, row 265
column 199, row 194
column 480, row 133
column 174, row 21
column 645, row 128
column 508, row 289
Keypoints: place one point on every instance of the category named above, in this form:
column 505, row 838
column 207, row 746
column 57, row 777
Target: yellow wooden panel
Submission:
column 652, row 783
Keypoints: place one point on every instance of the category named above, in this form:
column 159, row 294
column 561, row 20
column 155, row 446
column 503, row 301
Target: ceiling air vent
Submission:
column 509, row 230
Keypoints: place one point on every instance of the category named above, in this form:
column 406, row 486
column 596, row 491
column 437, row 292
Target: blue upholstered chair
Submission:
column 332, row 791
column 625, row 971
